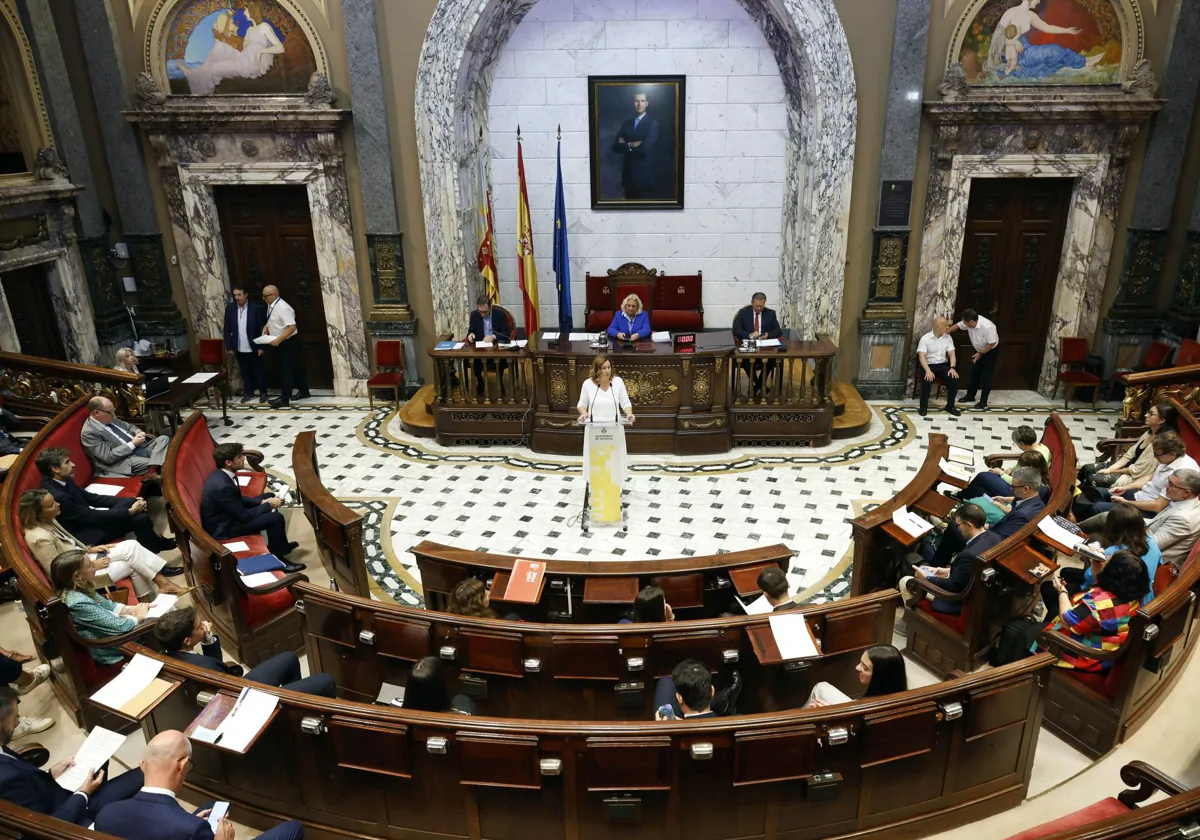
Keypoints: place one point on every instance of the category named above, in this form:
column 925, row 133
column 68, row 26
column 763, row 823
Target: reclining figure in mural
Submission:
column 258, row 48
column 1011, row 53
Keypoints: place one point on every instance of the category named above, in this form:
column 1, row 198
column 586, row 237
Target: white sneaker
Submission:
column 40, row 674
column 30, row 726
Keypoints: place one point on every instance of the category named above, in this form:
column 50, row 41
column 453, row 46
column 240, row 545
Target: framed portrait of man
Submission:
column 635, row 142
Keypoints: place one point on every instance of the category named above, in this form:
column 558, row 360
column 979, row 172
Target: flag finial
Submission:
column 560, row 131
column 518, row 133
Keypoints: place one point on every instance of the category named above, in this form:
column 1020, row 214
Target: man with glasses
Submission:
column 1177, row 527
column 1027, row 503
column 281, row 326
column 1171, row 454
column 117, row 448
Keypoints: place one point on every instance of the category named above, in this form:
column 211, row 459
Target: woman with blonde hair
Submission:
column 631, row 323
column 126, row 360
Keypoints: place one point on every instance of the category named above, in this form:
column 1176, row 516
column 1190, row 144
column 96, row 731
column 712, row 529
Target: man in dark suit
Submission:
column 181, row 629
column 226, row 513
column 753, row 323
column 154, row 812
column 488, row 324
column 637, row 141
column 688, row 692
column 1027, row 503
column 972, row 524
column 774, row 585
column 244, row 321
column 92, row 518
column 25, row 785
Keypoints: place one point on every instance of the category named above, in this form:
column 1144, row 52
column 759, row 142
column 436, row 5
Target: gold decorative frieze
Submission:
column 702, row 387
column 648, row 387
column 714, row 423
column 558, row 385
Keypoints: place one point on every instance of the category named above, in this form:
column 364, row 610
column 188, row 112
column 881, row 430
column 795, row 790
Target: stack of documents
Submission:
column 1060, row 534
column 764, row 343
column 135, row 689
column 793, row 636
column 962, row 456
column 104, row 489
column 94, row 754
column 247, row 718
column 909, row 522
column 661, row 337
column 162, row 605
column 954, row 470
column 759, row 606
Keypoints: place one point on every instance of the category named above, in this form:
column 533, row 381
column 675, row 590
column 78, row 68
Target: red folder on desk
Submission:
column 526, row 581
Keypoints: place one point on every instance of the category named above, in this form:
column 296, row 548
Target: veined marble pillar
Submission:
column 883, row 327
column 1183, row 315
column 391, row 316
column 158, row 318
column 1132, row 322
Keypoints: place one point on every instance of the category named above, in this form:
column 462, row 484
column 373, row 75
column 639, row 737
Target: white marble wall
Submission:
column 462, row 59
column 736, row 142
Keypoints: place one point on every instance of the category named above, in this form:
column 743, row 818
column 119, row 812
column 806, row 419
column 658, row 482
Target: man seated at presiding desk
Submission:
column 490, row 325
column 935, row 355
column 24, row 785
column 1027, row 503
column 774, row 585
column 181, row 629
column 226, row 513
column 155, row 813
column 631, row 323
column 971, row 522
column 116, row 447
column 92, row 518
column 756, row 322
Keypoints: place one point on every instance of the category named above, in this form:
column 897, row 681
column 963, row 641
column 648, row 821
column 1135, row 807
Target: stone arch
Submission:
column 453, row 84
column 27, row 95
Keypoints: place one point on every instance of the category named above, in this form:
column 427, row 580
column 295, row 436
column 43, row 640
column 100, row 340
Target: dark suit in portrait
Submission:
column 637, row 171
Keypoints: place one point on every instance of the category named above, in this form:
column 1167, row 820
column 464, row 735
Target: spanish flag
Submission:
column 526, row 267
column 486, row 257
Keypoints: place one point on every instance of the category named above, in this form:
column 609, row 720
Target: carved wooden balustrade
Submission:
column 37, row 383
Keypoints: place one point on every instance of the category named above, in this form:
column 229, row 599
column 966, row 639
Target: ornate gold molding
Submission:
column 36, row 102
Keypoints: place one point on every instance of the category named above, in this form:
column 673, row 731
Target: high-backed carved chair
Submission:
column 679, row 302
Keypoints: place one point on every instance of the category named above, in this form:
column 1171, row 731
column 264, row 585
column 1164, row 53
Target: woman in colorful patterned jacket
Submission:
column 1099, row 616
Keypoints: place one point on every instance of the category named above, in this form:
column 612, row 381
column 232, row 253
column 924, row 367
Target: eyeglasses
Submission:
column 105, row 411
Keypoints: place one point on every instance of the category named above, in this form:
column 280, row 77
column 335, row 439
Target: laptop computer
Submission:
column 156, row 386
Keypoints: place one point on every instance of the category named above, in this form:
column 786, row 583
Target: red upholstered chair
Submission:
column 212, row 354
column 678, row 302
column 389, row 353
column 598, row 303
column 1074, row 351
column 1156, row 357
column 1188, row 353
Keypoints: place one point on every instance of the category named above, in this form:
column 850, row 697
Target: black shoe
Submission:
column 292, row 568
column 172, row 571
column 981, row 407
column 953, row 412
column 247, row 398
column 292, row 546
column 277, row 403
column 922, row 412
column 306, row 395
column 165, row 544
column 262, row 398
column 966, row 401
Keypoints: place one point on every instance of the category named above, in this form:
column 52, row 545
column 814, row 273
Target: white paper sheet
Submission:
column 661, row 337
column 259, row 579
column 582, row 336
column 759, row 606
column 203, row 734
column 104, row 489
column 235, row 547
column 244, row 480
column 483, row 345
column 162, row 605
column 792, row 636
column 769, row 342
column 247, row 718
column 1059, row 534
column 263, row 339
column 171, row 379
column 126, row 685
column 458, row 345
column 962, row 456
column 219, row 810
column 954, row 470
column 95, row 751
column 909, row 522
column 197, row 378
column 511, row 344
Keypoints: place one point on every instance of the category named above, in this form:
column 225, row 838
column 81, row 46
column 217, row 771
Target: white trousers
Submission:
column 130, row 559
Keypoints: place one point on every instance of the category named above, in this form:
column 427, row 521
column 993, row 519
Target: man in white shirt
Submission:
column 935, row 353
column 1177, row 527
column 986, row 342
column 281, row 326
column 1152, row 498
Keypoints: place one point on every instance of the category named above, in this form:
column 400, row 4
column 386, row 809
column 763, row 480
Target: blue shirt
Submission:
column 487, row 324
column 621, row 324
column 1151, row 558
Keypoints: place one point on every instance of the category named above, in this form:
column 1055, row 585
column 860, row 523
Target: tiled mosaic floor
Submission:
column 512, row 501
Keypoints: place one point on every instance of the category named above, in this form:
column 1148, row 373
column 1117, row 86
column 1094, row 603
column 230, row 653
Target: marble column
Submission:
column 1183, row 315
column 158, row 318
column 391, row 316
column 111, row 321
column 1133, row 322
column 883, row 327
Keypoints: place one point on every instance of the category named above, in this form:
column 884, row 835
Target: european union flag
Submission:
column 562, row 257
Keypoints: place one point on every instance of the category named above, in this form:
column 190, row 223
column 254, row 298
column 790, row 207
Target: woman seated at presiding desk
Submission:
column 631, row 323
column 881, row 670
column 38, row 513
column 73, row 577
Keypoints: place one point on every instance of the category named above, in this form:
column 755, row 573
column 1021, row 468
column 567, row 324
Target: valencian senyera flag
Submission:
column 562, row 255
column 526, row 267
column 486, row 257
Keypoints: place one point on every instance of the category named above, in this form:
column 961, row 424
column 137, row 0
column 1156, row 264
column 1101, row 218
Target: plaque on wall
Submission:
column 894, row 201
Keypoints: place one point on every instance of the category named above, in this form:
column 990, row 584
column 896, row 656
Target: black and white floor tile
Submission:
column 512, row 501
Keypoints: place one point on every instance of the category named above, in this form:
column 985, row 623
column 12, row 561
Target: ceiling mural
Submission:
column 1048, row 42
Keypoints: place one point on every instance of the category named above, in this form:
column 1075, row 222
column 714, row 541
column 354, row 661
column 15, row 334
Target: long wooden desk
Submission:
column 692, row 402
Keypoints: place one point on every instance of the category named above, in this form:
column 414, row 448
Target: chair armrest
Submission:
column 917, row 585
column 144, row 628
column 1149, row 781
column 254, row 458
column 1060, row 643
column 1111, row 448
column 997, row 458
column 283, row 583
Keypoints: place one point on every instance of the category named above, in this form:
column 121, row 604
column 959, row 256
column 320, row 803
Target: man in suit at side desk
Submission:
column 488, row 324
column 972, row 524
column 38, row 790
column 244, row 321
column 180, row 630
column 226, row 513
column 1027, row 503
column 154, row 813
column 774, row 585
column 755, row 322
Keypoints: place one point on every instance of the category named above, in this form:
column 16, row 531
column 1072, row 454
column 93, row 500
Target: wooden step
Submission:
column 855, row 418
column 416, row 415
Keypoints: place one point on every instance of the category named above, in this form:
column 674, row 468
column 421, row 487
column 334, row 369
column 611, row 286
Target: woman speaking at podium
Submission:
column 602, row 401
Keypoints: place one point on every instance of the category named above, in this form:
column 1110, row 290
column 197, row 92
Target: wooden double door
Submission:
column 1010, row 263
column 27, row 291
column 268, row 238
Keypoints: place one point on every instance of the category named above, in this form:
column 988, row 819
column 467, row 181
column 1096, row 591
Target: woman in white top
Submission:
column 603, row 400
column 126, row 361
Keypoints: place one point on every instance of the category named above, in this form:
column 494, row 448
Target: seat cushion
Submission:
column 676, row 319
column 957, row 623
column 1104, row 683
column 599, row 321
column 1078, row 377
column 1095, row 812
column 259, row 609
column 257, row 485
column 385, row 380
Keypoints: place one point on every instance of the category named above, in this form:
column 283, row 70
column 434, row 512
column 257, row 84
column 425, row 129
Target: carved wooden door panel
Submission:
column 1012, row 250
column 27, row 291
column 268, row 238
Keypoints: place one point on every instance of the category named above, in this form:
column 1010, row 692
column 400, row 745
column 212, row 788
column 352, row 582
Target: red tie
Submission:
column 757, row 323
